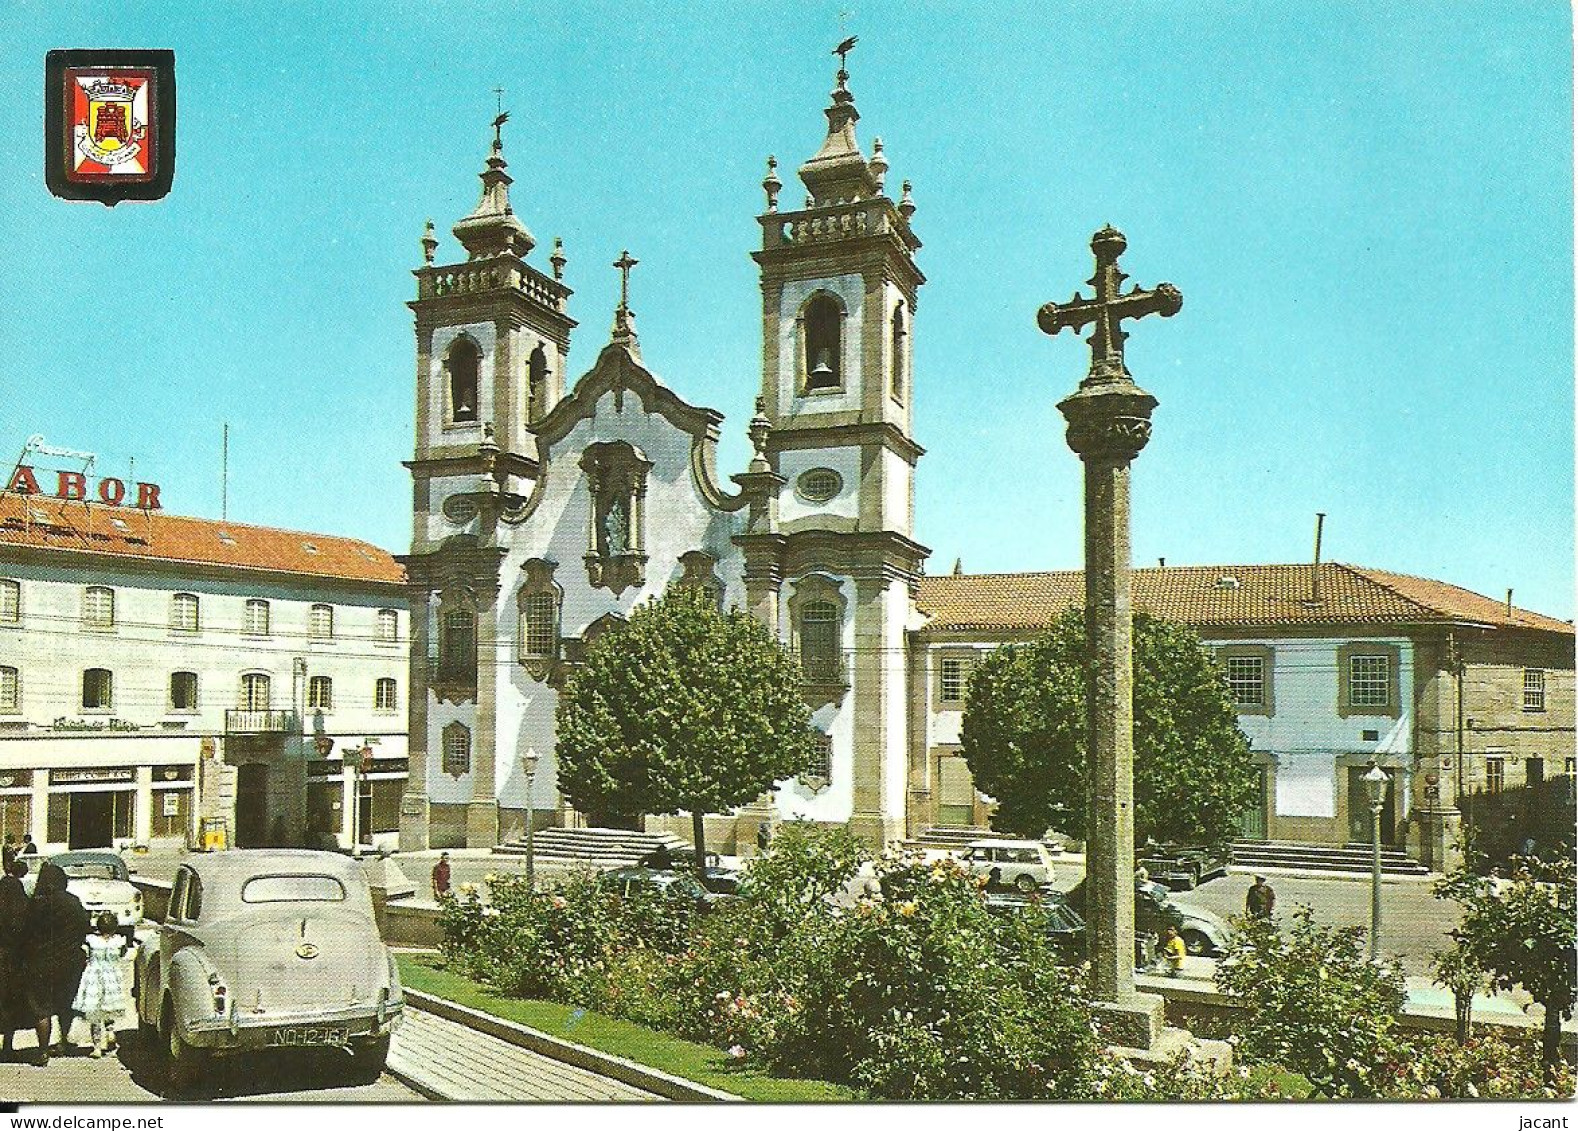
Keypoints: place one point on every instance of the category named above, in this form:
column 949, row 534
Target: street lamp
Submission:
column 529, row 762
column 1375, row 781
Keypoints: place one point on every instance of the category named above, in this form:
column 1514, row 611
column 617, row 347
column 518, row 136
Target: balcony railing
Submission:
column 244, row 721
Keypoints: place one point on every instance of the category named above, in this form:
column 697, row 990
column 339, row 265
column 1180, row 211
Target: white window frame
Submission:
column 389, row 701
column 387, row 626
column 539, row 625
column 1363, row 689
column 10, row 690
column 1499, row 761
column 1240, row 680
column 1534, row 689
column 958, row 677
column 257, row 617
column 180, row 605
column 10, row 601
column 107, row 702
column 98, row 608
column 192, row 709
column 320, row 622
column 320, row 693
column 247, row 700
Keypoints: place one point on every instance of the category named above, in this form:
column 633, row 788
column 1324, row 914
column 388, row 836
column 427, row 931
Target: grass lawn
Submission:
column 686, row 1059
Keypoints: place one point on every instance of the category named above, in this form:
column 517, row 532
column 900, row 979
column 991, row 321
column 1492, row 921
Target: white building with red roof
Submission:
column 164, row 677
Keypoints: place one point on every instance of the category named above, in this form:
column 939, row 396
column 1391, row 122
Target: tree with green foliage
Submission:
column 1024, row 735
column 1314, row 1002
column 1523, row 930
column 683, row 708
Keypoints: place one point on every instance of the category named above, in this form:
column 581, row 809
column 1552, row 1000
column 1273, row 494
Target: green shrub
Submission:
column 1488, row 1066
column 1314, row 1002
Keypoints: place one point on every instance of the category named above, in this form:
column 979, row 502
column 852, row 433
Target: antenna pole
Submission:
column 1320, row 521
column 224, row 473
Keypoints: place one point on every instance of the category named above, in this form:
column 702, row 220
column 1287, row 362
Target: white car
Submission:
column 103, row 883
column 1024, row 864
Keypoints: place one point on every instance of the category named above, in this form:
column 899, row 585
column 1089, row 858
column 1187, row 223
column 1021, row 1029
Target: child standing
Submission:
column 101, row 997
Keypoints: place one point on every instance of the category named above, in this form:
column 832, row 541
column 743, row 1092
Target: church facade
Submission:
column 546, row 511
column 544, row 514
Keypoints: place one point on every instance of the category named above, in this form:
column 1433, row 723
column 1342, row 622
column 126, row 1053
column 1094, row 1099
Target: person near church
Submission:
column 19, row 1007
column 9, row 851
column 57, row 925
column 1173, row 951
column 1261, row 900
column 28, row 847
column 441, row 877
column 101, row 995
column 764, row 837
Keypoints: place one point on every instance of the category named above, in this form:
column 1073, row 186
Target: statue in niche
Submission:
column 616, row 527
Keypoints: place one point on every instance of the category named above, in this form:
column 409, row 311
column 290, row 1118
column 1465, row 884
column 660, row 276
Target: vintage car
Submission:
column 266, row 949
column 103, row 883
column 1182, row 866
column 666, row 882
column 719, row 877
column 1203, row 932
column 1023, row 864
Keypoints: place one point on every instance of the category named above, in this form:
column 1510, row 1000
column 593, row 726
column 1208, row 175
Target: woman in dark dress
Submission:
column 19, row 1008
column 56, row 927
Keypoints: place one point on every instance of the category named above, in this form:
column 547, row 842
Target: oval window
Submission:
column 819, row 485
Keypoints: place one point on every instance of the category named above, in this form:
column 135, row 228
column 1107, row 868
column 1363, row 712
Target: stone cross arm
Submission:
column 1109, row 307
column 1165, row 300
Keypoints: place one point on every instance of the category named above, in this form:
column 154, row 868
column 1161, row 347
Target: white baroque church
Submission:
column 545, row 513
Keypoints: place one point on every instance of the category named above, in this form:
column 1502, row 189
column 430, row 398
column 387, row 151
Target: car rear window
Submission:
column 292, row 889
column 91, row 870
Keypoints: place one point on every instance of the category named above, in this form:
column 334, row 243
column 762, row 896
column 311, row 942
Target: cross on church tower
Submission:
column 1109, row 308
column 624, row 317
column 624, row 263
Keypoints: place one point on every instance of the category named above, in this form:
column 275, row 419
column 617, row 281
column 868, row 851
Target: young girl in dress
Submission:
column 101, row 997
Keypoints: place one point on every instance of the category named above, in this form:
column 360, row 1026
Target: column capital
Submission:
column 1108, row 423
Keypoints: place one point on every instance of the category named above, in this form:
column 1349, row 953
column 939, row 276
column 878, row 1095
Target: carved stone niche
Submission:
column 700, row 572
column 817, row 613
column 616, row 476
column 537, row 602
column 453, row 675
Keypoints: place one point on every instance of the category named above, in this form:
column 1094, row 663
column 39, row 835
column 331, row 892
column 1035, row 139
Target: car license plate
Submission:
column 316, row 1035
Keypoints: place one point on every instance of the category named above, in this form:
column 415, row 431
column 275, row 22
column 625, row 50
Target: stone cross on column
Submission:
column 1108, row 424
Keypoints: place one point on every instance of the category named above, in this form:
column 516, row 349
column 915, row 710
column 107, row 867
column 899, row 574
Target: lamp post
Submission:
column 324, row 745
column 1375, row 781
column 529, row 762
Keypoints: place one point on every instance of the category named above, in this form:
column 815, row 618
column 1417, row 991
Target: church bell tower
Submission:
column 841, row 568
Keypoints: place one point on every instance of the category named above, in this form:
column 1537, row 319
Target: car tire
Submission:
column 368, row 1058
column 1025, row 882
column 184, row 1064
column 1196, row 943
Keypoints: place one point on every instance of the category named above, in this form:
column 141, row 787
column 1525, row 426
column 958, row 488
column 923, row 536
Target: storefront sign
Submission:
column 94, row 777
column 63, row 723
column 73, row 487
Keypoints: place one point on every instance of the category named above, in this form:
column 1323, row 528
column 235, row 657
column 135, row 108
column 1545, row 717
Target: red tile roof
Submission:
column 47, row 523
column 1235, row 596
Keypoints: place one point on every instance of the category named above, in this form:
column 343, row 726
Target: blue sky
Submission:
column 1368, row 209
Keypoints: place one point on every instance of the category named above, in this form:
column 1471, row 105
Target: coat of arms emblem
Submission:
column 111, row 122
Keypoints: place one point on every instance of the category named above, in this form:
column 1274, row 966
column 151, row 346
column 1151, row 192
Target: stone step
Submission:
column 1324, row 857
column 603, row 848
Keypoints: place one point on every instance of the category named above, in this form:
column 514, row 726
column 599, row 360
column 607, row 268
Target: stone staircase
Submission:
column 600, row 848
column 1250, row 854
column 948, row 836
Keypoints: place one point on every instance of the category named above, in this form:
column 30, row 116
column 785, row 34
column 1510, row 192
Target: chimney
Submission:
column 1320, row 521
column 1161, row 563
column 1509, row 604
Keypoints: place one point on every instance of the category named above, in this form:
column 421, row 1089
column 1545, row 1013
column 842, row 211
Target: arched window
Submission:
column 457, row 749
column 257, row 617
column 824, row 325
column 539, row 634
column 896, row 382
column 183, row 691
column 320, row 693
column 320, row 622
column 464, row 363
column 255, row 691
column 536, row 385
column 98, row 607
column 184, row 613
column 98, row 690
column 388, row 626
column 817, row 608
column 386, row 695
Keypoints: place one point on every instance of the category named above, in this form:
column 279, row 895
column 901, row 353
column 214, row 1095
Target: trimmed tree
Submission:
column 1024, row 735
column 1523, row 931
column 684, row 708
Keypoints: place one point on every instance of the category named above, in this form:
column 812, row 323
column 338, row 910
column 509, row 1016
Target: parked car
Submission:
column 102, row 882
column 265, row 949
column 665, row 881
column 1022, row 864
column 719, row 878
column 1064, row 927
column 1203, row 932
column 1182, row 866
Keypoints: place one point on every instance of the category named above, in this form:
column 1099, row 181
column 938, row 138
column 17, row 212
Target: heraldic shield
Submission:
column 110, row 123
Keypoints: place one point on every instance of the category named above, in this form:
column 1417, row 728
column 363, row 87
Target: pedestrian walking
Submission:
column 19, row 1008
column 101, row 995
column 57, row 925
column 1173, row 951
column 441, row 877
column 1261, row 899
